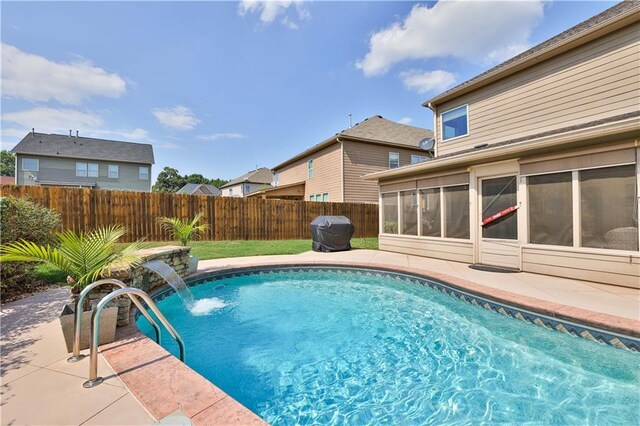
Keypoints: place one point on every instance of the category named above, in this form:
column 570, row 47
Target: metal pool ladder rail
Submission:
column 94, row 380
column 77, row 319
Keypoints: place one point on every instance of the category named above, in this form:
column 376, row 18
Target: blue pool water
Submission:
column 329, row 348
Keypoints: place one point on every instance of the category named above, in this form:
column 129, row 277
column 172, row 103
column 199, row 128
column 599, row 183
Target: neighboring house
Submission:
column 250, row 182
column 543, row 149
column 7, row 180
column 73, row 161
column 332, row 170
column 199, row 189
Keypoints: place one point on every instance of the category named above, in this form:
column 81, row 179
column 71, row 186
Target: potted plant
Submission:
column 185, row 230
column 85, row 257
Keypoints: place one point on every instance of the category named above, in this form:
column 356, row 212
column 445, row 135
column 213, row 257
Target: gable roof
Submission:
column 376, row 130
column 615, row 17
column 62, row 146
column 192, row 188
column 261, row 175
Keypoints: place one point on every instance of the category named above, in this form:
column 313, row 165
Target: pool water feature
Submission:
column 197, row 307
column 333, row 348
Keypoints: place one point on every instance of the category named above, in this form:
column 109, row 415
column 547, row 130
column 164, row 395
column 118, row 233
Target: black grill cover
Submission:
column 331, row 233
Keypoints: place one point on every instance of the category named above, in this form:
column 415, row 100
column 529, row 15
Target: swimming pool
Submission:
column 336, row 345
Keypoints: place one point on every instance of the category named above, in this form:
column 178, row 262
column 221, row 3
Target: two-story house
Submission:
column 333, row 170
column 250, row 182
column 536, row 165
column 76, row 161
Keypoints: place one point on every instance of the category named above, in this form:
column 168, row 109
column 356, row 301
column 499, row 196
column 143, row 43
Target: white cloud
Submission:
column 405, row 120
column 477, row 31
column 178, row 118
column 270, row 10
column 51, row 120
column 427, row 81
column 37, row 79
column 216, row 136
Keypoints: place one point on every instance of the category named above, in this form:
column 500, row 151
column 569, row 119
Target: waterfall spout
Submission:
column 173, row 279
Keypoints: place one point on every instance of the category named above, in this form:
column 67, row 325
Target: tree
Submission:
column 7, row 163
column 170, row 180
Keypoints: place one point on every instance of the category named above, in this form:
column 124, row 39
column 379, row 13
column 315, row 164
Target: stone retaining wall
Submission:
column 175, row 256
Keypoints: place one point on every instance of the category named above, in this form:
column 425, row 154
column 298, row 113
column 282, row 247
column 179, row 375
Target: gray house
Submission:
column 73, row 161
column 199, row 189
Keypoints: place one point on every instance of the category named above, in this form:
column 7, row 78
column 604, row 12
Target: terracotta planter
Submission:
column 107, row 332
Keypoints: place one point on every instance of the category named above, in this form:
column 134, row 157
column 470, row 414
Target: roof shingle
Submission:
column 261, row 175
column 85, row 148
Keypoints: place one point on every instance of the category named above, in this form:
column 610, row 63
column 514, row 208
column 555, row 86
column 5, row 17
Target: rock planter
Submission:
column 107, row 331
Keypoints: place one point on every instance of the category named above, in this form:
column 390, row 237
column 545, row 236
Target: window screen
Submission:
column 497, row 195
column 394, row 160
column 551, row 209
column 456, row 216
column 30, row 164
column 430, row 211
column 390, row 213
column 143, row 173
column 409, row 213
column 81, row 169
column 454, row 123
column 608, row 208
column 113, row 171
column 93, row 170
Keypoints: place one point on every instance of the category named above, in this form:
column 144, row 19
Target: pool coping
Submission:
column 164, row 385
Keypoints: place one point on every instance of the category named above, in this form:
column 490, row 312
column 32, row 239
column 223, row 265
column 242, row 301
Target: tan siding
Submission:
column 598, row 80
column 614, row 269
column 360, row 159
column 326, row 173
column 458, row 251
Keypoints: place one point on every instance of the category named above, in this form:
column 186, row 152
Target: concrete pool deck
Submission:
column 39, row 387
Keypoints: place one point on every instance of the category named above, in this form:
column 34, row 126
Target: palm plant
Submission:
column 183, row 229
column 83, row 256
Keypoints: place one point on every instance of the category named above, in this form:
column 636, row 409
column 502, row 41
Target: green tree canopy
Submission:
column 7, row 163
column 170, row 180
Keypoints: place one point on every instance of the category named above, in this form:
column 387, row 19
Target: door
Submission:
column 499, row 221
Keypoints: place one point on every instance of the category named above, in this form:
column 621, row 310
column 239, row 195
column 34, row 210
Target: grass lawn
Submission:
column 221, row 249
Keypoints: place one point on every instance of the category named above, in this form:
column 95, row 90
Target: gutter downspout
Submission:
column 341, row 166
column 435, row 128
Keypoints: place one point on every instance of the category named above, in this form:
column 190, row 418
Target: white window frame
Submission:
column 80, row 172
column 276, row 179
column 25, row 169
column 310, row 169
column 442, row 123
column 398, row 155
column 110, row 171
column 247, row 188
column 97, row 170
column 140, row 174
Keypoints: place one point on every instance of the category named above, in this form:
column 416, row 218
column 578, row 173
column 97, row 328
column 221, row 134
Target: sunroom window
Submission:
column 456, row 212
column 390, row 213
column 551, row 209
column 455, row 123
column 430, row 212
column 608, row 208
column 409, row 205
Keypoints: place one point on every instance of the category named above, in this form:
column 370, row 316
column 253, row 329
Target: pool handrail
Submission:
column 94, row 380
column 77, row 319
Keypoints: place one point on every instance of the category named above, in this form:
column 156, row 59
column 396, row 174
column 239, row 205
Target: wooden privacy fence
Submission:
column 228, row 218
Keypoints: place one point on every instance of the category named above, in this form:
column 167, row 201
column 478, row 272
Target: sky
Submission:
column 220, row 88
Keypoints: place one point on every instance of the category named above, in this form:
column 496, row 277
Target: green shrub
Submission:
column 21, row 218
